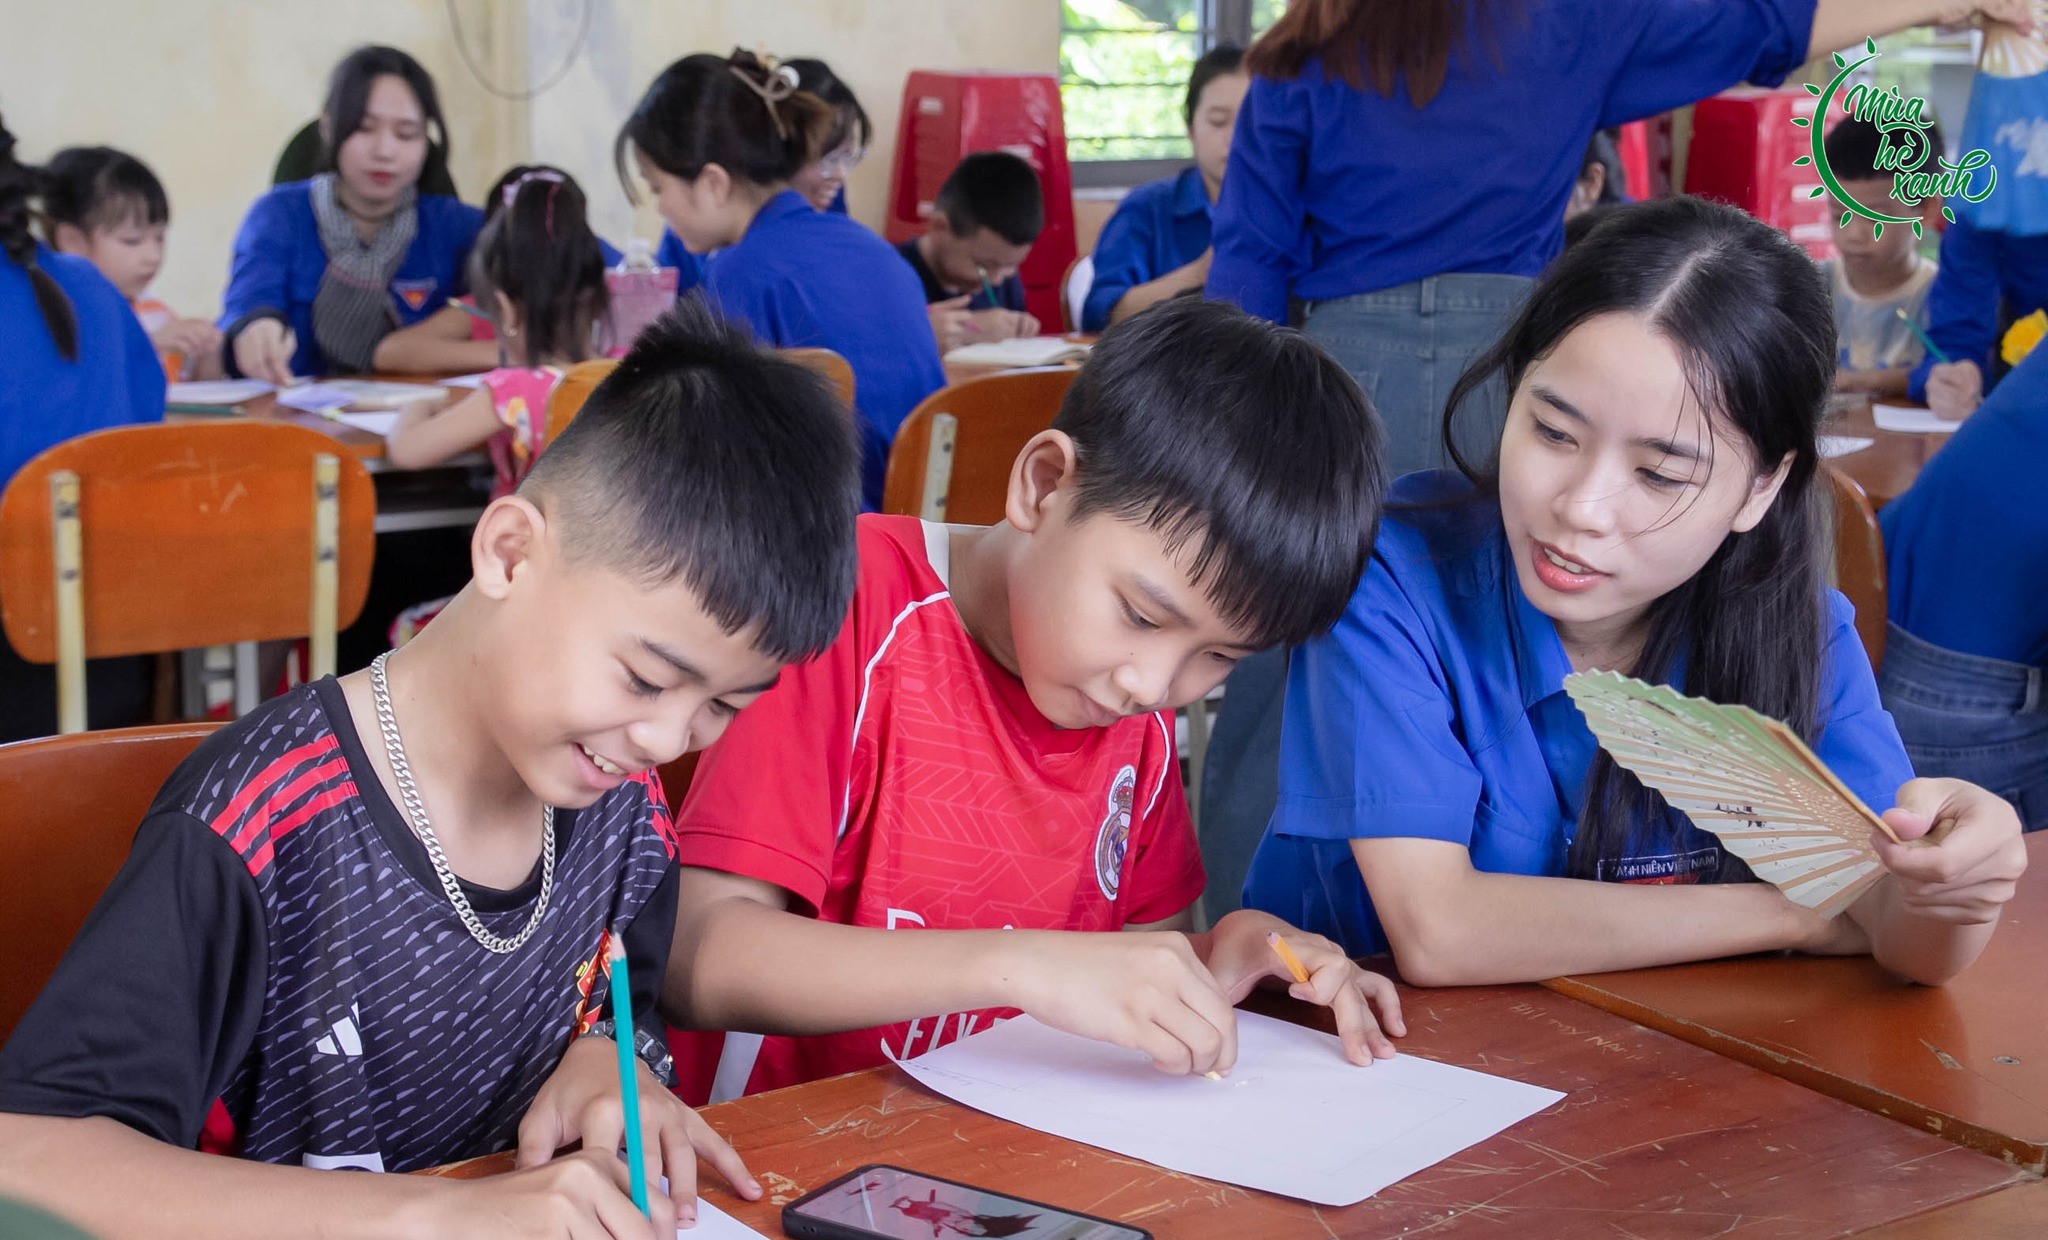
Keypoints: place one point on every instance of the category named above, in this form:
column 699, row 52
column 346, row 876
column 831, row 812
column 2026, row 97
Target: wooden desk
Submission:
column 366, row 446
column 1657, row 1139
column 1887, row 467
column 2016, row 1213
column 1968, row 1060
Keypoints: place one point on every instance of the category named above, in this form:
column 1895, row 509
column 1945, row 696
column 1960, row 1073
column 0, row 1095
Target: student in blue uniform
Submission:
column 986, row 215
column 1156, row 246
column 73, row 358
column 325, row 269
column 1651, row 508
column 822, row 182
column 1986, row 278
column 1966, row 657
column 716, row 139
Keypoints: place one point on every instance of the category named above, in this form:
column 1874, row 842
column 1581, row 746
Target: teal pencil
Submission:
column 988, row 290
column 629, row 1092
column 1925, row 343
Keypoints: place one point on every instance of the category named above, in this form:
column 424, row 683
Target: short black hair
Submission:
column 1197, row 420
column 1218, row 61
column 1852, row 145
column 95, row 187
column 348, row 97
column 707, row 458
column 997, row 190
column 815, row 76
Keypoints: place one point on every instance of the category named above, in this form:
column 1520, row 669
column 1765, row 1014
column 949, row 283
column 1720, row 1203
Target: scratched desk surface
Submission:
column 2016, row 1213
column 1657, row 1140
column 1968, row 1060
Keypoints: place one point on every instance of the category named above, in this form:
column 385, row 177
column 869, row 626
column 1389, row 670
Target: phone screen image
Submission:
column 902, row 1205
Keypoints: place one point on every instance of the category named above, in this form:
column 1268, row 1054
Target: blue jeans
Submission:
column 1964, row 716
column 1408, row 344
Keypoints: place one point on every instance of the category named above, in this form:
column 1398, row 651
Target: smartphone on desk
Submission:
column 880, row 1202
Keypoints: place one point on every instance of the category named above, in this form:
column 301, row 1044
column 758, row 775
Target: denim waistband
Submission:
column 1993, row 683
column 1453, row 292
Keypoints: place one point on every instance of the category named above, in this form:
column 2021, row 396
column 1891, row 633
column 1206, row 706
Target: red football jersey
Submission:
column 903, row 779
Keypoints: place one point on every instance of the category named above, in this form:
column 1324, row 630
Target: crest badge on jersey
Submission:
column 414, row 293
column 1113, row 839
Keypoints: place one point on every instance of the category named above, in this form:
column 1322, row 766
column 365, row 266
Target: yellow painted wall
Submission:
column 208, row 91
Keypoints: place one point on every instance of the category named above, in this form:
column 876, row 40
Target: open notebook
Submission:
column 1747, row 778
column 1021, row 351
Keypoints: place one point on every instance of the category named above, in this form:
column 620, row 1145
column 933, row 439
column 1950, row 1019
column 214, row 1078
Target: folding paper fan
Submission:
column 1748, row 779
column 2009, row 54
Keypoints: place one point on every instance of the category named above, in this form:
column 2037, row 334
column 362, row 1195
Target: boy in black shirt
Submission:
column 371, row 919
column 983, row 222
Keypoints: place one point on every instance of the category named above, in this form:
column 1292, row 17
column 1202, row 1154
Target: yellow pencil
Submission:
column 1287, row 956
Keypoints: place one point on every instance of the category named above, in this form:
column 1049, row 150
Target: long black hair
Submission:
column 1753, row 324
column 537, row 247
column 740, row 112
column 348, row 97
column 20, row 184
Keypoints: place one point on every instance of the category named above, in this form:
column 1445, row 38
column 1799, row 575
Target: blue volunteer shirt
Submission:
column 1157, row 228
column 811, row 279
column 45, row 400
column 1333, row 191
column 1983, row 276
column 1966, row 547
column 689, row 267
column 1436, row 710
column 278, row 264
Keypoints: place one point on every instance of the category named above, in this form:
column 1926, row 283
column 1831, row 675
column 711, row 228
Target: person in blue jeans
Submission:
column 1652, row 507
column 1395, row 194
column 1966, row 550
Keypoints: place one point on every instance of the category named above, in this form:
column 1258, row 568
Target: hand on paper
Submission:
column 1142, row 989
column 580, row 1101
column 581, row 1194
column 263, row 350
column 996, row 323
column 953, row 323
column 1240, row 958
column 1968, row 871
column 1954, row 389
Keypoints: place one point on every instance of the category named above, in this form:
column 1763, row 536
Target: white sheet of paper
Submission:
column 1019, row 351
column 1832, row 446
column 375, row 423
column 377, row 394
column 714, row 1223
column 1911, row 421
column 316, row 397
column 1293, row 1117
column 466, row 381
column 217, row 392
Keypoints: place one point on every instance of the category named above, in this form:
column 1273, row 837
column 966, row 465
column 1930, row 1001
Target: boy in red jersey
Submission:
column 987, row 750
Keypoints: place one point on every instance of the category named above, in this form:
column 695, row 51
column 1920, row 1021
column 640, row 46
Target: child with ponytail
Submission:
column 718, row 140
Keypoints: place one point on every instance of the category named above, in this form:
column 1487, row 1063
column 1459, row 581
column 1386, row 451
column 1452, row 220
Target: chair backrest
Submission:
column 1074, row 288
column 69, row 806
column 1859, row 560
column 575, row 388
column 833, row 367
column 144, row 539
column 952, row 456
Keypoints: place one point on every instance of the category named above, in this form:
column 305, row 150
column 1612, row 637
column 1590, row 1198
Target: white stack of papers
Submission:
column 1293, row 1117
column 1021, row 351
column 217, row 392
column 1911, row 421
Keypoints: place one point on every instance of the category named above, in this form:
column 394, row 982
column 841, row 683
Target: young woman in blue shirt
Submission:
column 1652, row 508
column 717, row 140
column 324, row 270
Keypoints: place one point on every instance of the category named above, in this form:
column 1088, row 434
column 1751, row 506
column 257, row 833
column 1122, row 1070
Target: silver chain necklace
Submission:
column 416, row 812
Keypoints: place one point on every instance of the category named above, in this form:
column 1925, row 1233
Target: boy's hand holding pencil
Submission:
column 1247, row 948
column 584, row 1101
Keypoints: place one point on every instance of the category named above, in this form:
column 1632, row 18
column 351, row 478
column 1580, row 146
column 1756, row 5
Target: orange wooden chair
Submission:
column 952, row 456
column 833, row 367
column 69, row 806
column 146, row 539
column 1860, row 560
column 573, row 390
